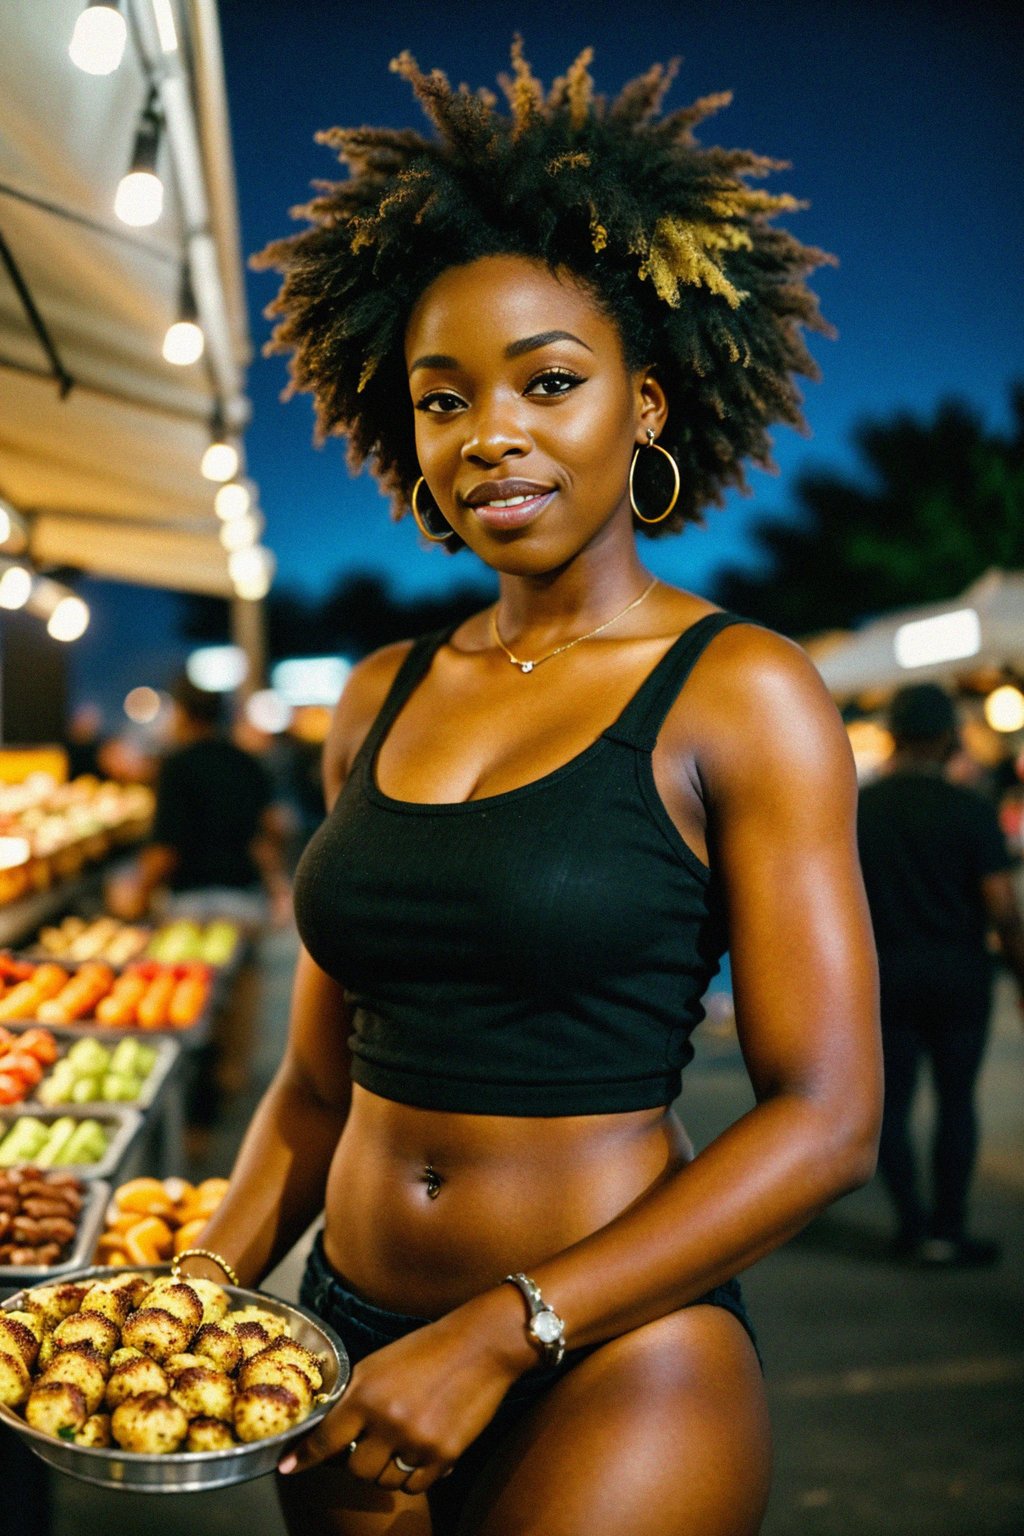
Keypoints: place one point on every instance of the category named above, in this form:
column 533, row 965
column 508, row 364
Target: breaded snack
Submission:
column 204, row 1393
column 296, row 1354
column 81, row 1371
column 136, row 1285
column 126, row 1352
column 264, row 1410
column 251, row 1336
column 277, row 1373
column 15, row 1337
column 214, row 1298
column 218, row 1345
column 95, row 1431
column 15, row 1379
column 91, row 1328
column 275, row 1326
column 134, row 1379
column 209, row 1435
column 56, row 1408
column 113, row 1301
column 152, row 1425
column 180, row 1301
column 52, row 1303
column 30, row 1320
column 183, row 1362
column 156, row 1332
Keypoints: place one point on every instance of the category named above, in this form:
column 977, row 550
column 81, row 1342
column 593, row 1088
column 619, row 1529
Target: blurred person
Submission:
column 216, row 851
column 547, row 822
column 937, row 871
column 83, row 741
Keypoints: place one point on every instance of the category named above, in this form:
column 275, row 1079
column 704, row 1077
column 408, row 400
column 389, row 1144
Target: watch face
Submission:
column 547, row 1327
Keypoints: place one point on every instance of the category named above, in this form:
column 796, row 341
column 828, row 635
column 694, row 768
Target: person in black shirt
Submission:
column 937, row 875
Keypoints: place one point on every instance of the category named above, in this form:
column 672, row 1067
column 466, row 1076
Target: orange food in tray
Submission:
column 150, row 1220
column 149, row 995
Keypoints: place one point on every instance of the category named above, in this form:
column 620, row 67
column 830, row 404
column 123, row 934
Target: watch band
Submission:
column 544, row 1327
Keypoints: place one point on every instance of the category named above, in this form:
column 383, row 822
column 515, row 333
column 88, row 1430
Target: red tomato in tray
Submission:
column 19, row 1064
column 12, row 1089
column 39, row 1043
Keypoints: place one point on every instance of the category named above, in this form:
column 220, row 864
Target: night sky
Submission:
column 899, row 122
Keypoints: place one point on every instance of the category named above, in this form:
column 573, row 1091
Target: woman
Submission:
column 530, row 870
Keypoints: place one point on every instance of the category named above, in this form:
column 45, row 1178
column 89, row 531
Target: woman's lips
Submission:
column 512, row 511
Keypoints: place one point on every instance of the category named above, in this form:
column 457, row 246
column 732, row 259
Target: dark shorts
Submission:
column 364, row 1328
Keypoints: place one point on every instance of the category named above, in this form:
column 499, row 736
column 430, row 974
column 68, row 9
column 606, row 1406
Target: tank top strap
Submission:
column 642, row 719
column 415, row 665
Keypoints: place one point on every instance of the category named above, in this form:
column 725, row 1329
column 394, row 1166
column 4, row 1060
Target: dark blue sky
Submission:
column 899, row 122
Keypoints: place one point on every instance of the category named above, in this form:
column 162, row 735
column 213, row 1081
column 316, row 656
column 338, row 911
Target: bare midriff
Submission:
column 426, row 1208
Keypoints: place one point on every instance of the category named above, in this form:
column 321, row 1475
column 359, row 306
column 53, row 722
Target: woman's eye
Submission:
column 440, row 402
column 556, row 381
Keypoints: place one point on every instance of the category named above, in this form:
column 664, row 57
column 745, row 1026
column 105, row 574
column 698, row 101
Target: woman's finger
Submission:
column 331, row 1437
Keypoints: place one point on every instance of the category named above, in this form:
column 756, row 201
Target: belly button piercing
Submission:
column 432, row 1179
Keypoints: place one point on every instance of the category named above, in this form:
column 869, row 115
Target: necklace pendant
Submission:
column 525, row 666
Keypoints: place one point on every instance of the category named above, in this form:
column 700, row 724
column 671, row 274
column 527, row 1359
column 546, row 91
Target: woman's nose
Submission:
column 496, row 434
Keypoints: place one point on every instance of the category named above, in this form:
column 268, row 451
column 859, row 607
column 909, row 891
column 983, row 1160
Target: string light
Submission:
column 140, row 193
column 220, row 461
column 241, row 532
column 232, row 500
column 69, row 619
column 15, row 587
column 251, row 571
column 1004, row 708
column 184, row 341
column 97, row 43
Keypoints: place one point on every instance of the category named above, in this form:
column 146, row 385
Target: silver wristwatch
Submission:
column 544, row 1327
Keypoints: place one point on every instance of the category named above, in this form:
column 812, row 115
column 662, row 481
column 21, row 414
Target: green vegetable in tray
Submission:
column 23, row 1141
column 87, row 1144
column 58, row 1141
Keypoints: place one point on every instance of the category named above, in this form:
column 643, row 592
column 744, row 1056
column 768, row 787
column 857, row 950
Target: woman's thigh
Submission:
column 329, row 1501
column 664, row 1431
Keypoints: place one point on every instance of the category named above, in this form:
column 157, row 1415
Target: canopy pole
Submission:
column 248, row 632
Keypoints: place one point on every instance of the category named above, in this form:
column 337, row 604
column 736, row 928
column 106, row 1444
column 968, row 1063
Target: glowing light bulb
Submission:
column 251, row 572
column 69, row 620
column 15, row 587
column 1004, row 708
column 97, row 43
column 232, row 500
column 140, row 198
column 241, row 532
column 220, row 461
column 183, row 343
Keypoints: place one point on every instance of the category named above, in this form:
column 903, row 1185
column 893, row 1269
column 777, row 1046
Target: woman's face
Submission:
column 526, row 415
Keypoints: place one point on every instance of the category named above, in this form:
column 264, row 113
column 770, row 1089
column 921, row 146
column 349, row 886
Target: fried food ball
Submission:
column 30, row 1320
column 16, row 1338
column 264, row 1410
column 95, row 1431
column 213, row 1298
column 275, row 1326
column 135, row 1284
column 134, row 1379
column 180, row 1301
column 126, row 1352
column 80, row 1370
column 156, row 1332
column 298, row 1355
column 209, row 1435
column 220, row 1346
column 183, row 1362
column 111, row 1301
column 102, row 1333
column 53, row 1303
column 152, row 1425
column 15, row 1379
column 56, row 1407
column 204, row 1392
column 47, row 1350
column 277, row 1373
column 251, row 1336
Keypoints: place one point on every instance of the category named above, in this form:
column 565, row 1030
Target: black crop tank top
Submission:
column 538, row 952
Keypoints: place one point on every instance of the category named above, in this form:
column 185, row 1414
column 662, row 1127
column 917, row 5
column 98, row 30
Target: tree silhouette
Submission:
column 940, row 502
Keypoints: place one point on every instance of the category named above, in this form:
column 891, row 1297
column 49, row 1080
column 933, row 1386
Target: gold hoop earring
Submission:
column 675, row 475
column 421, row 522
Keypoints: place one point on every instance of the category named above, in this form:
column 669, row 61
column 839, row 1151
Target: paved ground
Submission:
column 897, row 1396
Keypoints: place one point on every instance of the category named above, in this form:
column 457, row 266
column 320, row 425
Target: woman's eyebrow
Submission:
column 514, row 349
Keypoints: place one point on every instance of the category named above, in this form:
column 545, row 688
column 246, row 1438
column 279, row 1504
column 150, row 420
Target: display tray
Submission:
column 167, row 1052
column 121, row 1121
column 194, row 1471
column 90, row 1225
column 189, row 1035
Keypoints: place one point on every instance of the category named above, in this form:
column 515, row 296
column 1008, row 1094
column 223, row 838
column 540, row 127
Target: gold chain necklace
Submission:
column 528, row 666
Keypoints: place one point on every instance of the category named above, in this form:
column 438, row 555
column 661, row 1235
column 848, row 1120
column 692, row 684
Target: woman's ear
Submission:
column 652, row 406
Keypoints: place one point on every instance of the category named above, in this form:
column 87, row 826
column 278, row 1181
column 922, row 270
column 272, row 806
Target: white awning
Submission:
column 984, row 627
column 100, row 438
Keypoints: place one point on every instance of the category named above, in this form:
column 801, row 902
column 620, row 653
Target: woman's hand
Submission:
column 424, row 1398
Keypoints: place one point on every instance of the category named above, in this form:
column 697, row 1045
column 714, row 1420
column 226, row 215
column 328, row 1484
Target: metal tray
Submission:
column 188, row 1036
column 124, row 1121
column 90, row 1225
column 194, row 1471
column 167, row 1053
